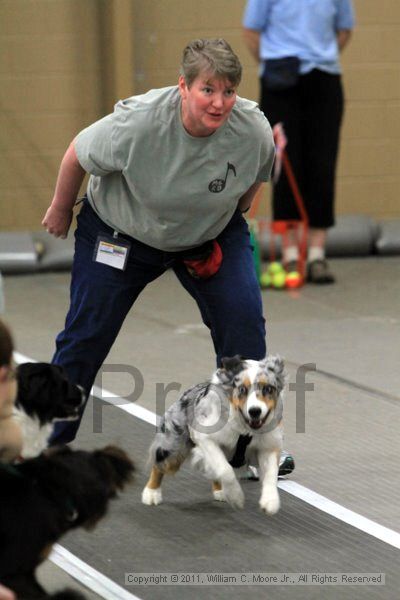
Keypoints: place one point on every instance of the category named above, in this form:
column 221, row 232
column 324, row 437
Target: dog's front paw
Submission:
column 233, row 494
column 270, row 503
column 151, row 497
column 219, row 495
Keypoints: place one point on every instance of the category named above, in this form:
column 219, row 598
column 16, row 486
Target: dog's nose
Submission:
column 255, row 412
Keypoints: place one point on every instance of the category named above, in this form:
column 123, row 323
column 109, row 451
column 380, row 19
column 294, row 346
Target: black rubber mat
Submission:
column 191, row 533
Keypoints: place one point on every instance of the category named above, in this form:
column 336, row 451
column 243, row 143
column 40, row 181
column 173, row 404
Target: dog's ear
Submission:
column 276, row 366
column 231, row 366
column 234, row 364
column 40, row 383
column 115, row 465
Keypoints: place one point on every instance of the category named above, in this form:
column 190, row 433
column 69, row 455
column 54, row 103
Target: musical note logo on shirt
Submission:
column 217, row 185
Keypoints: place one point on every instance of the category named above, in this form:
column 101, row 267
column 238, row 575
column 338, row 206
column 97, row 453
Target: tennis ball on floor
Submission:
column 40, row 248
column 265, row 279
column 279, row 280
column 293, row 280
column 275, row 267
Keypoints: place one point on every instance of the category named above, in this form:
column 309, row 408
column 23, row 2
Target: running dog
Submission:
column 234, row 418
column 44, row 397
column 45, row 497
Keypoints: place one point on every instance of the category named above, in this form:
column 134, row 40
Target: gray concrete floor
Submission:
column 55, row 579
column 350, row 331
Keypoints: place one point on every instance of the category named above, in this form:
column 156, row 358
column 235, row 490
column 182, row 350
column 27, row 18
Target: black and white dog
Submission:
column 44, row 396
column 240, row 407
column 45, row 497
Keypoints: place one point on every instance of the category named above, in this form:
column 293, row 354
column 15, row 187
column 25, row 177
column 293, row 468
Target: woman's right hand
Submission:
column 57, row 221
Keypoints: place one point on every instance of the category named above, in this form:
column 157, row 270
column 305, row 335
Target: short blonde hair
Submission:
column 214, row 56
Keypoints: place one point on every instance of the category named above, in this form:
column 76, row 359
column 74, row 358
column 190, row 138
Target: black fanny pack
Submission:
column 281, row 73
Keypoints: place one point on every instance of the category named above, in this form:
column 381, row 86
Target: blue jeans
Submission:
column 101, row 297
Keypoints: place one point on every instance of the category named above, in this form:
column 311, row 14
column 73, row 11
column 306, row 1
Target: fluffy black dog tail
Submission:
column 115, row 464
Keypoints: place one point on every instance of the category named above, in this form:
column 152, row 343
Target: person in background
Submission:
column 297, row 44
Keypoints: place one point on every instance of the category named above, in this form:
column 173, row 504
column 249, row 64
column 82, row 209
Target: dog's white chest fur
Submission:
column 34, row 435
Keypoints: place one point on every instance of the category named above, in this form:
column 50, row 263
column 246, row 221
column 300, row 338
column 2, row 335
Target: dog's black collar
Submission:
column 238, row 459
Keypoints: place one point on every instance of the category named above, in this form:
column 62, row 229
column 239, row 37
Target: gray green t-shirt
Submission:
column 153, row 181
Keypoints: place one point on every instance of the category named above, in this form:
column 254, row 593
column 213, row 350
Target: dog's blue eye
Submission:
column 242, row 390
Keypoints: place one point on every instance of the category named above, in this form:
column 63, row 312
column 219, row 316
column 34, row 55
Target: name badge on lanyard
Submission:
column 112, row 251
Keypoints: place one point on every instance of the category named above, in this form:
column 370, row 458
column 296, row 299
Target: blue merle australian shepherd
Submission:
column 234, row 418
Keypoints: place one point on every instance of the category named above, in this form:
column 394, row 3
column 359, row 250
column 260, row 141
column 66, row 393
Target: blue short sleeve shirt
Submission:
column 303, row 28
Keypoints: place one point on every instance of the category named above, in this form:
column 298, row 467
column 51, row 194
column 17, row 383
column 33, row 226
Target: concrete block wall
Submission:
column 63, row 63
column 49, row 86
column 369, row 164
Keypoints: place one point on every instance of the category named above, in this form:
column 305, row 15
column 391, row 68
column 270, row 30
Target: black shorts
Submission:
column 311, row 113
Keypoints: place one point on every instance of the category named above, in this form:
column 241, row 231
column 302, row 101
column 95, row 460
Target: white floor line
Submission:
column 89, row 577
column 389, row 536
column 130, row 407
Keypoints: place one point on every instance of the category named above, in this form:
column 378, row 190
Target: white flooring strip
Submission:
column 389, row 536
column 133, row 409
column 88, row 576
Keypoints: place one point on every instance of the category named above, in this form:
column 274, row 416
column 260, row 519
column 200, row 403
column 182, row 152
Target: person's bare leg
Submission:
column 290, row 251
